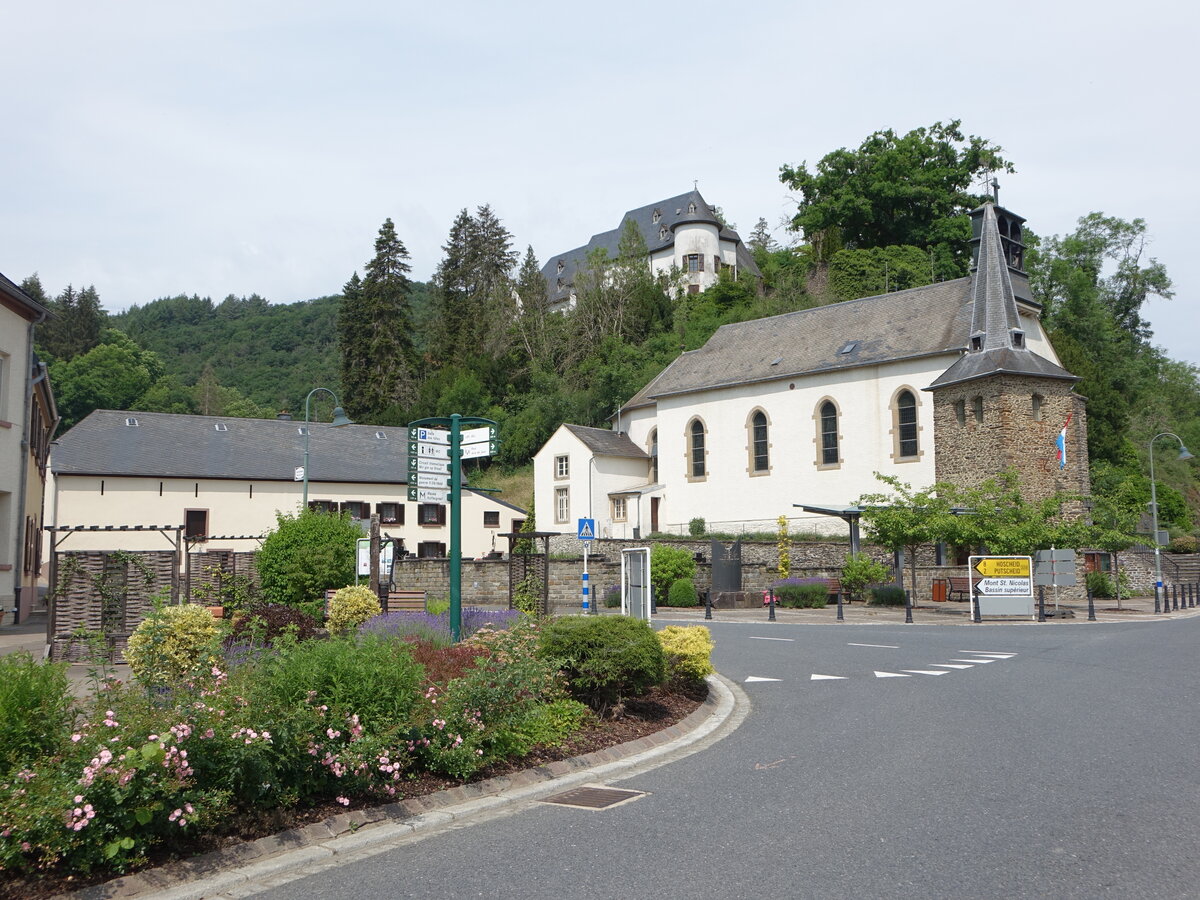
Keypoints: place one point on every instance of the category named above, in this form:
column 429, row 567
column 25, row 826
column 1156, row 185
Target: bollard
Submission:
column 840, row 617
column 907, row 608
column 1156, row 608
column 708, row 604
column 976, row 613
column 771, row 603
column 1175, row 598
column 1191, row 596
column 1091, row 606
column 1041, row 603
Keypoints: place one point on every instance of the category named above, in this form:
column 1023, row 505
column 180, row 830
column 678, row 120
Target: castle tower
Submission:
column 1001, row 405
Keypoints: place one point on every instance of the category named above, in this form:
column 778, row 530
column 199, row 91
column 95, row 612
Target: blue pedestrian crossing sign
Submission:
column 587, row 529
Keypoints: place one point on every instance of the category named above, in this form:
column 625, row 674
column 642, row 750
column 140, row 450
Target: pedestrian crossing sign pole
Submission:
column 587, row 534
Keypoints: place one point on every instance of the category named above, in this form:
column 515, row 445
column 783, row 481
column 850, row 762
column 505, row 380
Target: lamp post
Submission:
column 1183, row 454
column 339, row 419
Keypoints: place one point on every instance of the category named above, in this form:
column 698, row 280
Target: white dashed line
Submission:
column 750, row 678
column 816, row 677
column 884, row 646
column 891, row 675
column 952, row 666
column 756, row 638
column 927, row 671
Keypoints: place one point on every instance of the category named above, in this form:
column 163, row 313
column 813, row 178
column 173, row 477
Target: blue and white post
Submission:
column 586, row 534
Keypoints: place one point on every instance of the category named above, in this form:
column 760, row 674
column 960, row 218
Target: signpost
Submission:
column 387, row 552
column 587, row 534
column 1001, row 585
column 436, row 448
column 1054, row 567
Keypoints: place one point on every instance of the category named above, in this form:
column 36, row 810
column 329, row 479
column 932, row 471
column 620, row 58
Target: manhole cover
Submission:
column 590, row 797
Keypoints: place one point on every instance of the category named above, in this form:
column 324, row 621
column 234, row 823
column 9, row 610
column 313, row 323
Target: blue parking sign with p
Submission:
column 587, row 529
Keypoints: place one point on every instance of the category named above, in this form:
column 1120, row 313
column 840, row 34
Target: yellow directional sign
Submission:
column 1004, row 566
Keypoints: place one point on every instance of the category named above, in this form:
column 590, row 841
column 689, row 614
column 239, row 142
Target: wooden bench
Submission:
column 834, row 584
column 408, row 601
column 960, row 586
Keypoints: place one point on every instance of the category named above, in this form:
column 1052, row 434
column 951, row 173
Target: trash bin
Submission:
column 939, row 590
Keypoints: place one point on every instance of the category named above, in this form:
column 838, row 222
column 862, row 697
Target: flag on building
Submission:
column 1061, row 443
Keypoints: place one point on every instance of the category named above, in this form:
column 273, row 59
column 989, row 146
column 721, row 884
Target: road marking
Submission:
column 816, row 677
column 884, row 646
column 988, row 652
column 975, row 661
column 757, row 678
column 994, row 655
column 756, row 638
column 927, row 671
column 952, row 666
column 891, row 675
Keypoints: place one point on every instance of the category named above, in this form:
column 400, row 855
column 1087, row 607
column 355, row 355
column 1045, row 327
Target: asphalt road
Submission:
column 1064, row 767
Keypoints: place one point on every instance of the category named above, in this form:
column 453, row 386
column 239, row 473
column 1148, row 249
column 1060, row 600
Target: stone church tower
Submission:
column 1000, row 405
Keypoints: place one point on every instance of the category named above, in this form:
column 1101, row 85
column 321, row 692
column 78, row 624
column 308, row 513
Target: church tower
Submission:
column 1001, row 405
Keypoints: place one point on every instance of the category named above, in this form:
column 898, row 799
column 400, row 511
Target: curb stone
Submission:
column 213, row 873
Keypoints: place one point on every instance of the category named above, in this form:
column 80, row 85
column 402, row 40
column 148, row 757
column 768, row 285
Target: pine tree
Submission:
column 378, row 365
column 75, row 324
column 534, row 308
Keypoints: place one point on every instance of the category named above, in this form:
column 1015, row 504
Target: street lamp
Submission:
column 339, row 419
column 1183, row 454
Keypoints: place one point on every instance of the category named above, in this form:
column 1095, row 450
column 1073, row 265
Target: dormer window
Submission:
column 848, row 347
column 560, row 284
column 691, row 207
column 662, row 233
column 381, row 435
column 561, row 266
column 302, row 430
column 657, row 215
column 131, row 422
column 220, row 426
column 1018, row 339
column 977, row 342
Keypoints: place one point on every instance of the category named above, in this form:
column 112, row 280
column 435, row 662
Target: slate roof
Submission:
column 673, row 212
column 603, row 442
column 167, row 445
column 14, row 296
column 994, row 318
column 925, row 321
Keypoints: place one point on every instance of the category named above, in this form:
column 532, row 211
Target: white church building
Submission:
column 804, row 408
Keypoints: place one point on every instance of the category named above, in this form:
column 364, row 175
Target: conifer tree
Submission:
column 375, row 331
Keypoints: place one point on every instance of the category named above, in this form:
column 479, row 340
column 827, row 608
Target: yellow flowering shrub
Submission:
column 173, row 643
column 688, row 651
column 350, row 607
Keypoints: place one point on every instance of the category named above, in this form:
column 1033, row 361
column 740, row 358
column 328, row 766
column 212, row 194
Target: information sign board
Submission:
column 429, row 435
column 429, row 451
column 477, row 435
column 428, row 495
column 432, row 481
column 477, row 451
column 387, row 553
column 1002, row 585
column 433, row 466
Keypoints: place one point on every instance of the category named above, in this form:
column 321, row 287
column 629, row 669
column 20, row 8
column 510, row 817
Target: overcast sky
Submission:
column 217, row 148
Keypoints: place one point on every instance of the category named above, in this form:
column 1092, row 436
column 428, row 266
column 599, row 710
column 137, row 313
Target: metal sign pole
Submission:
column 455, row 531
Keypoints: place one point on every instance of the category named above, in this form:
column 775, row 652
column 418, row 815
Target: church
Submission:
column 954, row 381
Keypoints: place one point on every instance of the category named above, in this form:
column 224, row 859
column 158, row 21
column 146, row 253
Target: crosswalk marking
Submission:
column 952, row 666
column 891, row 675
column 980, row 660
column 816, row 677
column 926, row 671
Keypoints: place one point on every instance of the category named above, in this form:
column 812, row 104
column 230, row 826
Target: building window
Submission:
column 390, row 513
column 830, row 451
column 693, row 288
column 760, row 455
column 561, row 266
column 657, row 215
column 358, row 509
column 695, row 262
column 977, row 407
column 618, row 509
column 1035, row 404
column 431, row 550
column 322, row 506
column 491, row 518
column 697, row 470
column 662, row 233
column 960, row 411
column 906, row 407
column 562, row 504
column 654, row 456
column 691, row 207
column 195, row 524
column 431, row 514
column 562, row 466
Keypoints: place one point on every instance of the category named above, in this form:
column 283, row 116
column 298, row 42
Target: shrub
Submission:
column 371, row 677
column 860, row 570
column 688, row 651
column 811, row 593
column 696, row 527
column 683, row 593
column 306, row 555
column 605, row 659
column 436, row 628
column 887, row 595
column 36, row 709
column 350, row 607
column 785, row 548
column 173, row 643
column 1099, row 584
column 1185, row 543
column 265, row 623
column 668, row 565
column 437, row 604
column 612, row 596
